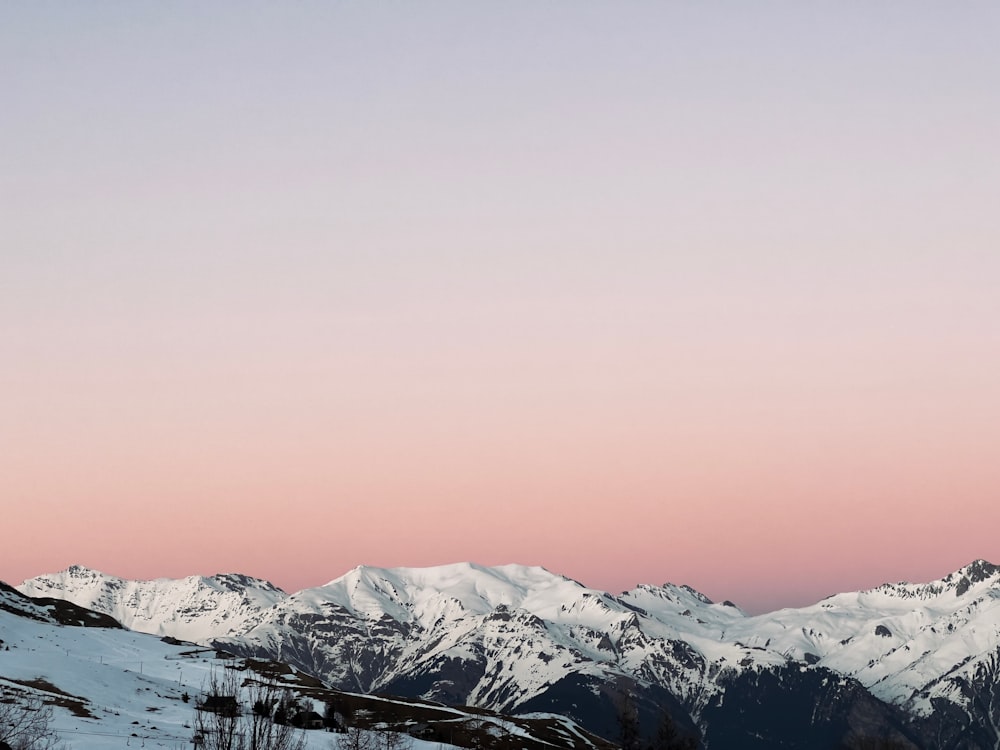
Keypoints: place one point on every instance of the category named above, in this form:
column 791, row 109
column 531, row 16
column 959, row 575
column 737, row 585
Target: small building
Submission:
column 420, row 730
column 308, row 720
column 224, row 705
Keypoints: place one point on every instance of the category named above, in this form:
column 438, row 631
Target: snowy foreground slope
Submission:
column 911, row 660
column 109, row 687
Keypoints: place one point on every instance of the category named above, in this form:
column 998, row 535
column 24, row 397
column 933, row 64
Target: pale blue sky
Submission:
column 279, row 227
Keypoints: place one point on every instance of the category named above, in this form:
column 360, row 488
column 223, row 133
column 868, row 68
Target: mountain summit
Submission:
column 519, row 639
column 196, row 608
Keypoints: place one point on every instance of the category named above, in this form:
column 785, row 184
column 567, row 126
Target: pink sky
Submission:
column 644, row 295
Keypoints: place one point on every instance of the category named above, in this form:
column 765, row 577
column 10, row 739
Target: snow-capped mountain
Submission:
column 911, row 659
column 910, row 644
column 111, row 687
column 196, row 608
column 495, row 637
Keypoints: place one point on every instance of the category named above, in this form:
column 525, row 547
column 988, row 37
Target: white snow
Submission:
column 527, row 628
column 129, row 683
column 195, row 608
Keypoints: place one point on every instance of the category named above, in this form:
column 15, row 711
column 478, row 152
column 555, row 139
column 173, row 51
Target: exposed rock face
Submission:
column 906, row 662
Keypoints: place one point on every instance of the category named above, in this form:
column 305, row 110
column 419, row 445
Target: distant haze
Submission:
column 639, row 292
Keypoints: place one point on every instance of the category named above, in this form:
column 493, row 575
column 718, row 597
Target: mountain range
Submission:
column 905, row 665
column 75, row 679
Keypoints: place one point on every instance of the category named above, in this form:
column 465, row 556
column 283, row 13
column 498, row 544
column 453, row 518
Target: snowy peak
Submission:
column 684, row 608
column 80, row 578
column 193, row 608
column 976, row 577
column 502, row 584
column 241, row 583
column 978, row 571
column 427, row 594
column 505, row 636
column 118, row 688
column 496, row 636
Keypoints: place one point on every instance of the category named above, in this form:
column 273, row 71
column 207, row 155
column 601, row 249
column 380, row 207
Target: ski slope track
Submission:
column 919, row 663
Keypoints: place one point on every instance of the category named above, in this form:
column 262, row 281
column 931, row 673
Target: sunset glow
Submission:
column 636, row 293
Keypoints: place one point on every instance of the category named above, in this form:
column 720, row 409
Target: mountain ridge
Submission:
column 513, row 638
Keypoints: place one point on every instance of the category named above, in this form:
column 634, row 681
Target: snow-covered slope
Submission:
column 908, row 643
column 196, row 608
column 517, row 638
column 108, row 687
column 495, row 637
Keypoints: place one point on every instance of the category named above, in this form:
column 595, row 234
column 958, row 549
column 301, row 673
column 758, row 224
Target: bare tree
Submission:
column 355, row 738
column 217, row 716
column 25, row 722
column 386, row 739
column 263, row 732
column 224, row 723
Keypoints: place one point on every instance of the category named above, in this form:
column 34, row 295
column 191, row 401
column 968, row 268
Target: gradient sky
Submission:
column 640, row 292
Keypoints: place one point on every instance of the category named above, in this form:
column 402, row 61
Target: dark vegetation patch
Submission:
column 59, row 610
column 463, row 726
column 282, row 674
column 56, row 696
column 67, row 613
column 10, row 600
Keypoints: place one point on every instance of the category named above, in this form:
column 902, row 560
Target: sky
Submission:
column 640, row 292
